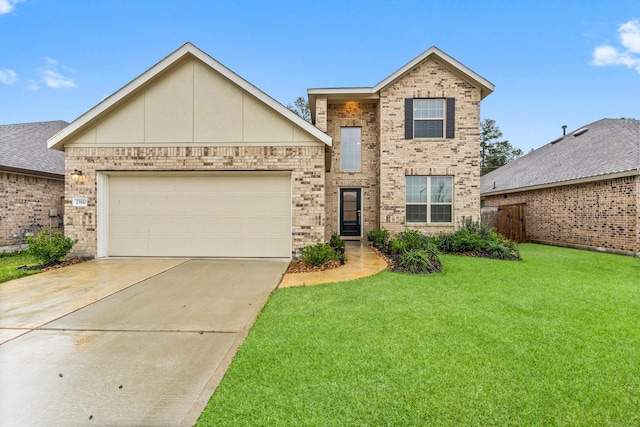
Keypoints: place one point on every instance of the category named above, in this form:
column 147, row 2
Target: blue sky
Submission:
column 553, row 62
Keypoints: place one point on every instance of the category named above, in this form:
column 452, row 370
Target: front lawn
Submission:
column 9, row 263
column 553, row 339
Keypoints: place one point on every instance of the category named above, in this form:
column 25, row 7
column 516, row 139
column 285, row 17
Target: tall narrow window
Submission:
column 429, row 199
column 428, row 117
column 350, row 148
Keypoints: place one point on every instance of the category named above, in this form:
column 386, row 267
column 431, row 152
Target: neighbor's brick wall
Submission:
column 306, row 164
column 458, row 157
column 602, row 214
column 363, row 115
column 26, row 199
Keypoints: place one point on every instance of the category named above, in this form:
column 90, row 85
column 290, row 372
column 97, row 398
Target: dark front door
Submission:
column 350, row 215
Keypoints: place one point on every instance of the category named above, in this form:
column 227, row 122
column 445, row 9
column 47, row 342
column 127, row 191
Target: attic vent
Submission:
column 580, row 131
column 557, row 140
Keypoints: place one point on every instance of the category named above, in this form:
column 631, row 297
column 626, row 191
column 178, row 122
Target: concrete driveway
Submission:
column 125, row 342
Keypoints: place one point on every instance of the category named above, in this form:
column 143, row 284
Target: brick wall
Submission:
column 26, row 199
column 458, row 157
column 604, row 214
column 306, row 164
column 363, row 115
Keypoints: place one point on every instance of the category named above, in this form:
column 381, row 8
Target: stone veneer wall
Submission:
column 363, row 115
column 458, row 157
column 306, row 164
column 26, row 199
column 603, row 214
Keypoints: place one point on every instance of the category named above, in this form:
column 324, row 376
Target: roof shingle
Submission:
column 23, row 147
column 608, row 146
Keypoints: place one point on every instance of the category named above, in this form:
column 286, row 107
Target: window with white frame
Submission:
column 429, row 199
column 428, row 118
column 350, row 148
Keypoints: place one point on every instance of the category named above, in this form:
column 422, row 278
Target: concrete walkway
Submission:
column 361, row 262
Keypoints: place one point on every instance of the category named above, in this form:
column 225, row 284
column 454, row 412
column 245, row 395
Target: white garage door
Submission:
column 224, row 214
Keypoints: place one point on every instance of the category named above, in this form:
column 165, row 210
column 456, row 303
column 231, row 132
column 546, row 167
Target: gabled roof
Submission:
column 23, row 149
column 604, row 149
column 87, row 119
column 486, row 87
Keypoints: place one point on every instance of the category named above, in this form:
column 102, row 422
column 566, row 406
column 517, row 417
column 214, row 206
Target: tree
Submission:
column 494, row 152
column 301, row 107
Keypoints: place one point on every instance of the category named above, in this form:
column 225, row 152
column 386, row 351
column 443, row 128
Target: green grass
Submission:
column 550, row 340
column 9, row 263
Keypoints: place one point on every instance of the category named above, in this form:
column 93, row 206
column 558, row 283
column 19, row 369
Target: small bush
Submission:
column 379, row 237
column 415, row 240
column 318, row 254
column 417, row 262
column 397, row 246
column 336, row 242
column 50, row 246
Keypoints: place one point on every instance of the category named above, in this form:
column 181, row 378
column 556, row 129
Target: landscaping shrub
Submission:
column 49, row 246
column 419, row 261
column 318, row 254
column 336, row 242
column 379, row 237
column 476, row 238
column 410, row 252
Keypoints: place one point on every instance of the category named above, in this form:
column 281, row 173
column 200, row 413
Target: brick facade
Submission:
column 387, row 157
column 306, row 164
column 25, row 200
column 603, row 214
column 458, row 157
column 363, row 115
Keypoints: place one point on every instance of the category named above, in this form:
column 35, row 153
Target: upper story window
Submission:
column 429, row 118
column 351, row 148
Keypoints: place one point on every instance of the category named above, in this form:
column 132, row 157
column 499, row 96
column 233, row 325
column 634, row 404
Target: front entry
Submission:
column 350, row 215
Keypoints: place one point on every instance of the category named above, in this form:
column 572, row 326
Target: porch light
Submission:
column 76, row 175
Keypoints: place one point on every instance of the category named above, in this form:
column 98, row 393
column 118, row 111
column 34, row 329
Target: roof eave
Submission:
column 605, row 177
column 486, row 87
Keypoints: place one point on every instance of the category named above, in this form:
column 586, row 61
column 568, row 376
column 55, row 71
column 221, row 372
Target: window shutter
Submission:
column 451, row 117
column 408, row 118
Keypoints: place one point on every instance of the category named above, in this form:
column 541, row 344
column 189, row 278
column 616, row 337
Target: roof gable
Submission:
column 23, row 148
column 364, row 93
column 185, row 78
column 606, row 148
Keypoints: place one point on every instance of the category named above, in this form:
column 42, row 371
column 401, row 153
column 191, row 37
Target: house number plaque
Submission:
column 82, row 202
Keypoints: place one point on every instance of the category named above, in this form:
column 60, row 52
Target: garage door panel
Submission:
column 233, row 214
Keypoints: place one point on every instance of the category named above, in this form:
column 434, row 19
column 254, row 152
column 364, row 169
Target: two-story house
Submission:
column 191, row 160
column 405, row 152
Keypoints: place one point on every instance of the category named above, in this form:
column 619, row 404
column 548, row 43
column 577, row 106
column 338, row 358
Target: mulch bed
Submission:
column 303, row 267
column 55, row 266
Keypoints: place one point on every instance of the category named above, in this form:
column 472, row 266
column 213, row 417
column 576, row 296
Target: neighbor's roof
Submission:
column 346, row 93
column 23, row 149
column 604, row 149
column 83, row 122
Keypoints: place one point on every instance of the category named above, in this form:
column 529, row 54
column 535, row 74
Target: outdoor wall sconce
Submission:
column 76, row 175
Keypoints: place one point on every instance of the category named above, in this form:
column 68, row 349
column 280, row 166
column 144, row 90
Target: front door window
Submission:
column 350, row 214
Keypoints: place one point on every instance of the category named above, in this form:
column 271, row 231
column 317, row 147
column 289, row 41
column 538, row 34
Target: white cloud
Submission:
column 8, row 77
column 52, row 77
column 629, row 55
column 630, row 35
column 7, row 6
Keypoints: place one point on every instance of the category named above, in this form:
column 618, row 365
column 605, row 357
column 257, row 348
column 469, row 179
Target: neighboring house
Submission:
column 581, row 190
column 31, row 178
column 189, row 159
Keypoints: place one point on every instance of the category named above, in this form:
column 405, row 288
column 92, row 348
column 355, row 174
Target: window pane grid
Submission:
column 429, row 199
column 428, row 118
